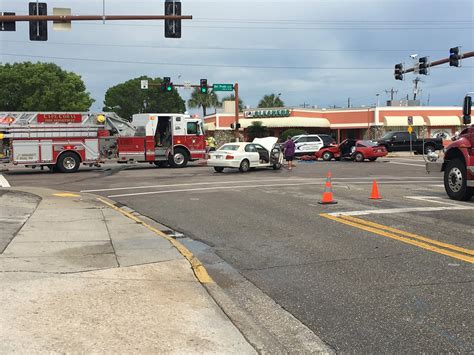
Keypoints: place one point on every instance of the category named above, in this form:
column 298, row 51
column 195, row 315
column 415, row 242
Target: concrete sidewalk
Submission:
column 79, row 276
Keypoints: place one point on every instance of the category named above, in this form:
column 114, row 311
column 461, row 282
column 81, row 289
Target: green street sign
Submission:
column 223, row 87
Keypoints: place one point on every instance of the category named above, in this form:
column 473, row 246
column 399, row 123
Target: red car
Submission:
column 357, row 150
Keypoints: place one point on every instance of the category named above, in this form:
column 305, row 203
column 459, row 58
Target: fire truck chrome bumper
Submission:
column 434, row 167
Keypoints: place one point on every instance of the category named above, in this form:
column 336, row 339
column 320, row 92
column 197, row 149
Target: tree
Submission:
column 41, row 87
column 256, row 130
column 203, row 100
column 231, row 97
column 271, row 100
column 128, row 98
column 292, row 132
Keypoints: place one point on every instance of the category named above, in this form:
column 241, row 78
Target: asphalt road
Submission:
column 388, row 275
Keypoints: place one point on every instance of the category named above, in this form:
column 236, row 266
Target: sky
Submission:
column 314, row 53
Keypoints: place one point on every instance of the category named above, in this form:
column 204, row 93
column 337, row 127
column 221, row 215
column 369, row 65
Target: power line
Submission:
column 229, row 48
column 293, row 28
column 199, row 64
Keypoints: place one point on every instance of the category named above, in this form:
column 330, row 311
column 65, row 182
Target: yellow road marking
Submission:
column 411, row 235
column 422, row 245
column 199, row 269
column 66, row 194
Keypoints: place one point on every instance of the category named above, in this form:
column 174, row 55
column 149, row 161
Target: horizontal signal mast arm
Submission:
column 442, row 61
column 69, row 18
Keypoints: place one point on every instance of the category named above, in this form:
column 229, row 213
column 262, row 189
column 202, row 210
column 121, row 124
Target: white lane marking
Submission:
column 394, row 162
column 400, row 210
column 436, row 199
column 255, row 186
column 3, row 181
column 194, row 184
column 261, row 180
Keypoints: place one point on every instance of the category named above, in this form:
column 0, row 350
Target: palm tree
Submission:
column 203, row 100
column 271, row 101
column 231, row 97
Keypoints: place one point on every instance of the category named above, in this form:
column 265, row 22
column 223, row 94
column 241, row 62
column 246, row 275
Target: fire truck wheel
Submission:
column 68, row 162
column 455, row 182
column 179, row 159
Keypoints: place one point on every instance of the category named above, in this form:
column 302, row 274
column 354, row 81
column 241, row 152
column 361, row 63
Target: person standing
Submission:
column 289, row 150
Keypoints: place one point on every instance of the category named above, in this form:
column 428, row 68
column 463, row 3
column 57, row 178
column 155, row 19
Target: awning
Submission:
column 402, row 121
column 283, row 122
column 444, row 120
column 210, row 126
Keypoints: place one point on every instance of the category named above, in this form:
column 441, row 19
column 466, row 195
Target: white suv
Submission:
column 311, row 143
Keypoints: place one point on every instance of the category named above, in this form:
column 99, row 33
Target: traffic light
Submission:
column 454, row 57
column 172, row 27
column 167, row 85
column 398, row 73
column 7, row 25
column 423, row 65
column 38, row 29
column 203, row 86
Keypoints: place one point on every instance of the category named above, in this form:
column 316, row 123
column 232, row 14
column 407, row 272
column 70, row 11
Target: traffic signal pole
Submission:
column 442, row 61
column 69, row 18
column 236, row 132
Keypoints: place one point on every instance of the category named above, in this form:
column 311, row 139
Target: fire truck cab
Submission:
column 173, row 139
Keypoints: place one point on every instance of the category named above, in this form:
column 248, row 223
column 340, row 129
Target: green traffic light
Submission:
column 169, row 88
column 203, row 91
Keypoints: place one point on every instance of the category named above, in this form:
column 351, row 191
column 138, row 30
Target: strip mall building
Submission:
column 359, row 123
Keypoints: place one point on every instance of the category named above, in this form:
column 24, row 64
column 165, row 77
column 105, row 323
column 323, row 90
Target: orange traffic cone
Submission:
column 327, row 195
column 375, row 192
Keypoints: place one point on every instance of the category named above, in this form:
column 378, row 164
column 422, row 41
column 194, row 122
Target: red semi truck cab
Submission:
column 458, row 162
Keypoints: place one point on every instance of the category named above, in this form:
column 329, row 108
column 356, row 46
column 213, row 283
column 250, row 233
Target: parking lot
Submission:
column 366, row 275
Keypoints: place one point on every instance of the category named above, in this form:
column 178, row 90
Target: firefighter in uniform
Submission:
column 211, row 144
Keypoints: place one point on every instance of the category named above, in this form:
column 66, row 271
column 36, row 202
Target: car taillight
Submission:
column 229, row 157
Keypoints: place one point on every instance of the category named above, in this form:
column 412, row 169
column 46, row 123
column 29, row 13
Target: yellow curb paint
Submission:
column 199, row 269
column 411, row 235
column 66, row 194
column 422, row 245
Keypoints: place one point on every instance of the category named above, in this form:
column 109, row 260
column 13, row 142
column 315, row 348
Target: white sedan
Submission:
column 261, row 153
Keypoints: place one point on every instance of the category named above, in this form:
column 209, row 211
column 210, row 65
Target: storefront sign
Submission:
column 267, row 113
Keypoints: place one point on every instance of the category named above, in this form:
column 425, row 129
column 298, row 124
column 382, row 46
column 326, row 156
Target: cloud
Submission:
column 327, row 51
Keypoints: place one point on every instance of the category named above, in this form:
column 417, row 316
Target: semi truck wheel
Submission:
column 179, row 158
column 455, row 182
column 68, row 162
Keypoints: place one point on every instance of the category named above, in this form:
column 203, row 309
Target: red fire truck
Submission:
column 458, row 163
column 62, row 141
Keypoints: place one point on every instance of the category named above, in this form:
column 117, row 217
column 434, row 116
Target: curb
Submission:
column 198, row 268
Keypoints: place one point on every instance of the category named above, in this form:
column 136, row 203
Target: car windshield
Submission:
column 229, row 147
column 388, row 135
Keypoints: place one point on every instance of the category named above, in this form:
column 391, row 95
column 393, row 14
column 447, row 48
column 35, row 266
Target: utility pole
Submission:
column 415, row 89
column 391, row 92
column 348, row 102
